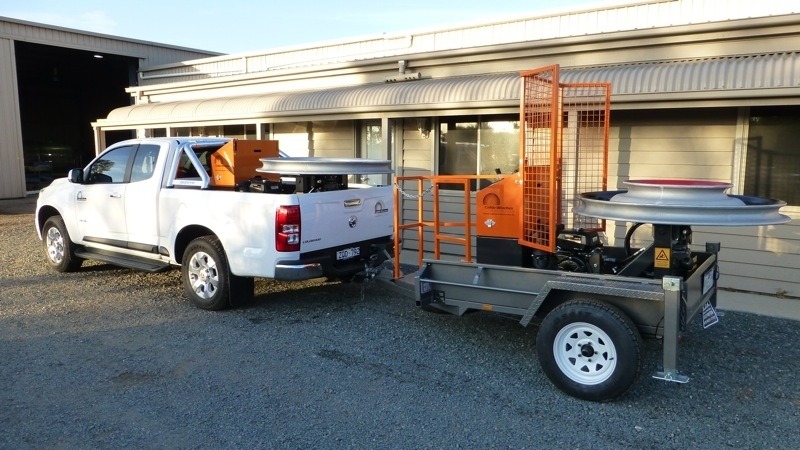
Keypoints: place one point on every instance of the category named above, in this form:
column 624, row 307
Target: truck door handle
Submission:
column 115, row 195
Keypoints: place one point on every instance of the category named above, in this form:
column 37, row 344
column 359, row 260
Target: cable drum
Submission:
column 681, row 202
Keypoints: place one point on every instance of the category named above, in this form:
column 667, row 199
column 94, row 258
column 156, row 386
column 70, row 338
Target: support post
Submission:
column 673, row 286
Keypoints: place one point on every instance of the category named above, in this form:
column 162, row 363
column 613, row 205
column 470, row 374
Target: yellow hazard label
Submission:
column 662, row 258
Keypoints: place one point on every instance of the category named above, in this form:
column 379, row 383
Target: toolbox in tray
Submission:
column 258, row 184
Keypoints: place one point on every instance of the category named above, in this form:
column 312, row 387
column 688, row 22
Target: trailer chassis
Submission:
column 592, row 308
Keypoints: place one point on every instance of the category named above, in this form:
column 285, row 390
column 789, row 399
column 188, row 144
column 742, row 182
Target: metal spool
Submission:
column 327, row 166
column 681, row 202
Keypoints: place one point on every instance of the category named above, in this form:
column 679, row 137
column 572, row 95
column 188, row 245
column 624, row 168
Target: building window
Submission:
column 478, row 145
column 773, row 154
column 247, row 131
column 371, row 146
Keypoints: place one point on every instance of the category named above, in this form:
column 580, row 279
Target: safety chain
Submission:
column 413, row 196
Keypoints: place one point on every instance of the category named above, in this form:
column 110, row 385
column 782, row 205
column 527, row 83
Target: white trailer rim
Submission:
column 585, row 353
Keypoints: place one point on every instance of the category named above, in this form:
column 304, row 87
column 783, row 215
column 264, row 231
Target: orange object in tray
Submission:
column 238, row 160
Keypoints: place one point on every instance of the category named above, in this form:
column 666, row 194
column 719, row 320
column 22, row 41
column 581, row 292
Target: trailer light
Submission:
column 287, row 228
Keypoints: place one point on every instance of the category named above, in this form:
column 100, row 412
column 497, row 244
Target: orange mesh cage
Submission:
column 563, row 152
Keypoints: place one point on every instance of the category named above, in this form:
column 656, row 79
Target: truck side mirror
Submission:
column 75, row 176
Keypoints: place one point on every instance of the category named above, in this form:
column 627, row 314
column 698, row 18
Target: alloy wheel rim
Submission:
column 203, row 275
column 55, row 245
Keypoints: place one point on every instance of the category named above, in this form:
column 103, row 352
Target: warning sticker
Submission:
column 662, row 258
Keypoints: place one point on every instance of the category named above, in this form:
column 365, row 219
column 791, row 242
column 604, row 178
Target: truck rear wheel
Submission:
column 207, row 279
column 59, row 249
column 589, row 350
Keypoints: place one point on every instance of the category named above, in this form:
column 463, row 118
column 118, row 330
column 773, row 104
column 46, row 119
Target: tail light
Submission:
column 287, row 228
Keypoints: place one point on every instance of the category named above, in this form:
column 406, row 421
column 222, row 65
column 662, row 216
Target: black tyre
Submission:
column 589, row 350
column 59, row 249
column 207, row 279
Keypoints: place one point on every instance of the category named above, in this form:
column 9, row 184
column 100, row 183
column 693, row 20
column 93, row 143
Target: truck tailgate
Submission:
column 338, row 218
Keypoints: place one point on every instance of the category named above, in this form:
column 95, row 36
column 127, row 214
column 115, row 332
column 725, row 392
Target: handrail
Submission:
column 439, row 235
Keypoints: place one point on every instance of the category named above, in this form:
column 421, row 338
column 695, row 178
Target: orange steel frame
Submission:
column 439, row 233
column 544, row 104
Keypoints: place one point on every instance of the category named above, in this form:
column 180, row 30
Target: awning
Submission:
column 721, row 78
column 444, row 93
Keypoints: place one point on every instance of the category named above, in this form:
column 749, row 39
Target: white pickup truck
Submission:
column 152, row 204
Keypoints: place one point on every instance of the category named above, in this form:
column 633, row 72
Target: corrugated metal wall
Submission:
column 151, row 53
column 12, row 170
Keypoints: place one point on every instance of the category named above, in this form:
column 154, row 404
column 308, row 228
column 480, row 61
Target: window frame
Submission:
column 480, row 121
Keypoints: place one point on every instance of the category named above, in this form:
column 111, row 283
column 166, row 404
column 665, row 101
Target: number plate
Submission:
column 348, row 253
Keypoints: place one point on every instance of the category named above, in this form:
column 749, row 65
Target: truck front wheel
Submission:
column 589, row 350
column 207, row 279
column 58, row 247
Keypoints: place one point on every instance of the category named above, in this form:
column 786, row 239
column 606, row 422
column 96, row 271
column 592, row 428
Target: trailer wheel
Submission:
column 207, row 279
column 59, row 249
column 589, row 350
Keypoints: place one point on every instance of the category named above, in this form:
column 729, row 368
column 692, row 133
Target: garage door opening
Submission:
column 61, row 91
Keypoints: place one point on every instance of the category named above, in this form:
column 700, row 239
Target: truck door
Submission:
column 100, row 201
column 140, row 197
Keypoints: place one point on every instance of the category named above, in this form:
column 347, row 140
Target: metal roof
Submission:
column 700, row 79
column 774, row 70
column 150, row 53
column 424, row 94
column 583, row 21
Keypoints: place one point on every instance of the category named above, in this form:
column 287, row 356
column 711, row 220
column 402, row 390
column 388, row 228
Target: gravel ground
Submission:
column 110, row 358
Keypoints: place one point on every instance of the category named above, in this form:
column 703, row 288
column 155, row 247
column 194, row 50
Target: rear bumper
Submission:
column 323, row 263
column 298, row 271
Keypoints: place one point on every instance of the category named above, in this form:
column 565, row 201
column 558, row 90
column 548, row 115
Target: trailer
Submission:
column 534, row 245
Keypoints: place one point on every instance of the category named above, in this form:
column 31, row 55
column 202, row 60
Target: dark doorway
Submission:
column 61, row 91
